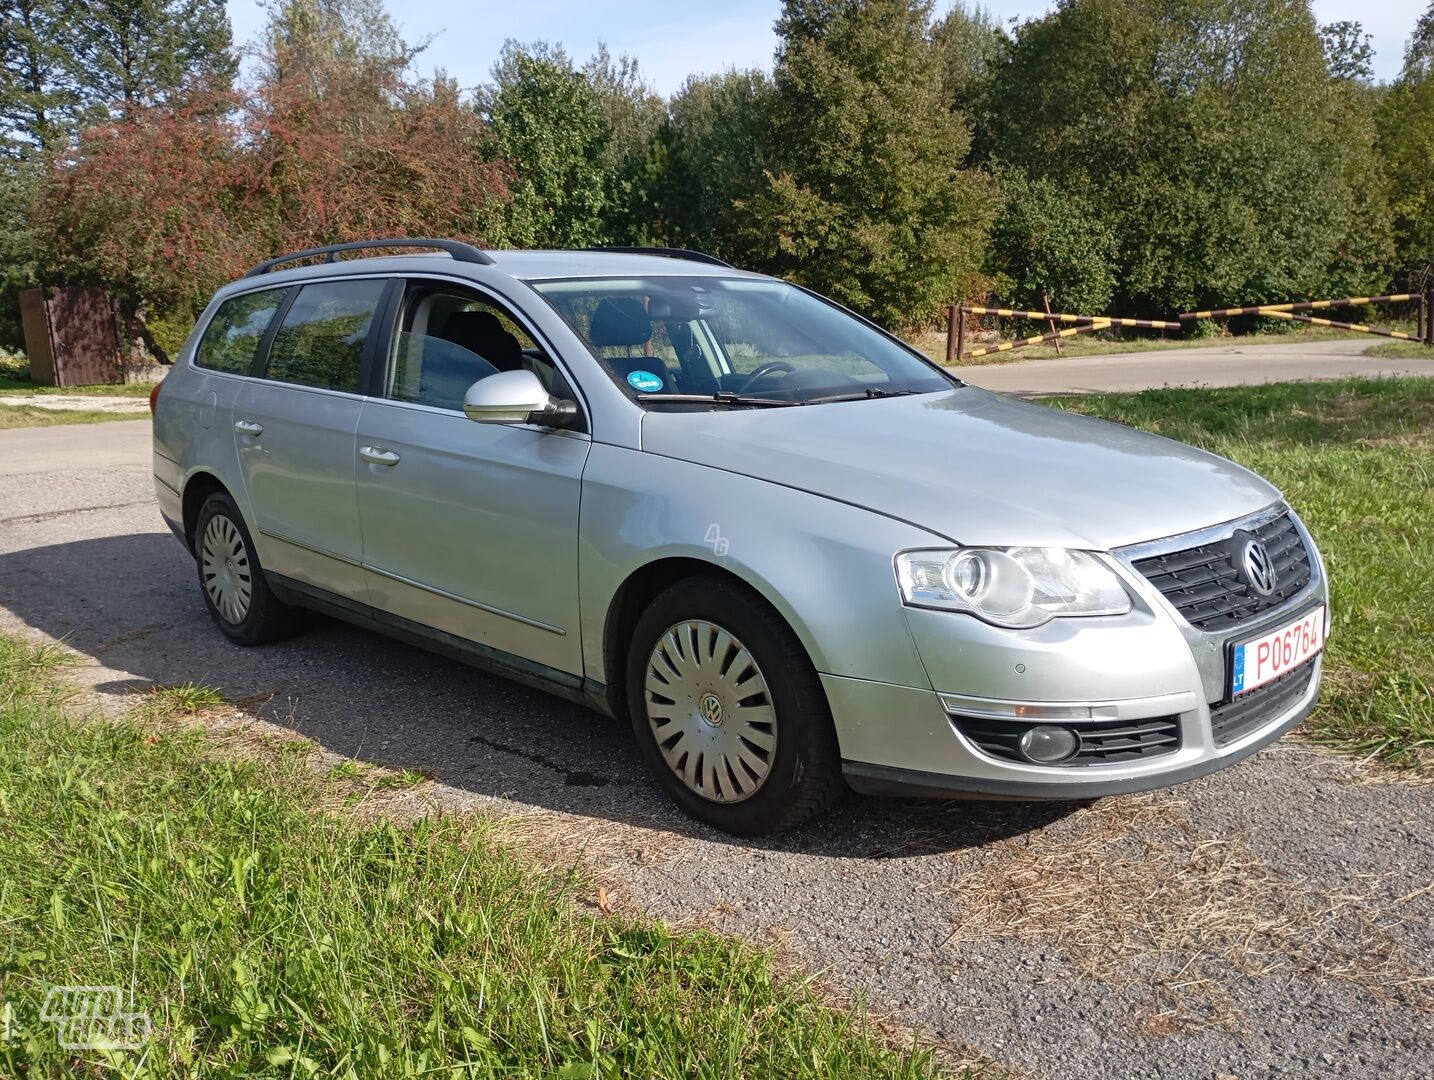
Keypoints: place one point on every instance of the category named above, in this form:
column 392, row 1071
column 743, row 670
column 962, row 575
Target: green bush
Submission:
column 1053, row 240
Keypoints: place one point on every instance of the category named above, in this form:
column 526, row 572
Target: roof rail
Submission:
column 670, row 253
column 460, row 251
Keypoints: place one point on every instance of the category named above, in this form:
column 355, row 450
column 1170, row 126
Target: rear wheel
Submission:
column 235, row 591
column 729, row 710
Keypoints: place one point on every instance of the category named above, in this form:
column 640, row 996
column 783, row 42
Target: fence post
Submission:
column 1050, row 323
column 951, row 317
column 960, row 332
column 1428, row 307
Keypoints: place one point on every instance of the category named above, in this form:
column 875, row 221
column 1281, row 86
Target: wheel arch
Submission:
column 200, row 485
column 639, row 589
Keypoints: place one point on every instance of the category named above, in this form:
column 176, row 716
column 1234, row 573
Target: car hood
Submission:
column 974, row 467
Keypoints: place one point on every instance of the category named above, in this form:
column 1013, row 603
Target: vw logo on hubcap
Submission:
column 1258, row 567
column 710, row 706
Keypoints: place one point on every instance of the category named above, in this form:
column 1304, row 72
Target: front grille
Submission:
column 1207, row 585
column 1100, row 742
column 1232, row 720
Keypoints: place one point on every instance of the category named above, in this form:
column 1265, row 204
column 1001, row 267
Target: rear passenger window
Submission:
column 234, row 333
column 322, row 338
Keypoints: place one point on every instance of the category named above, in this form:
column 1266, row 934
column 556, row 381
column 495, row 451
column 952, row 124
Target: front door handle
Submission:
column 374, row 456
column 248, row 427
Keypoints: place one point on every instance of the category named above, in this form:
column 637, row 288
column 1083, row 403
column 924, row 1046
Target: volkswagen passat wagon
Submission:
column 795, row 553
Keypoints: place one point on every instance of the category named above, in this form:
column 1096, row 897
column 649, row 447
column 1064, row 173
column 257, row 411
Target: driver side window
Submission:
column 447, row 339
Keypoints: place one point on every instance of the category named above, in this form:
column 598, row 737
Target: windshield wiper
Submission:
column 860, row 395
column 720, row 398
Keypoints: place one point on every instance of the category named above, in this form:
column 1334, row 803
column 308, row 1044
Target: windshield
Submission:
column 670, row 337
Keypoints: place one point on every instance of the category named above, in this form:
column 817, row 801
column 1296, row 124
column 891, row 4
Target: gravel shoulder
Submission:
column 1273, row 919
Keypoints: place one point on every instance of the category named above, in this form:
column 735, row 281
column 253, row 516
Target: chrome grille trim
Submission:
column 1198, row 577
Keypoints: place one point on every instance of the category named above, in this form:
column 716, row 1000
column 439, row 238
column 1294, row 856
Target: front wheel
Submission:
column 729, row 711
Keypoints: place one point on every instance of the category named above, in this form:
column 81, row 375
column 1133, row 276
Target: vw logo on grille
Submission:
column 1258, row 567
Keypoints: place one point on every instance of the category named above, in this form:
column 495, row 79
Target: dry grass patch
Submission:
column 1132, row 895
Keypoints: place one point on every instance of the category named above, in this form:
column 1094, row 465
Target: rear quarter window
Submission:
column 232, row 339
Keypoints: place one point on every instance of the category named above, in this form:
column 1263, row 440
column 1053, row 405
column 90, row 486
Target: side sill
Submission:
column 574, row 688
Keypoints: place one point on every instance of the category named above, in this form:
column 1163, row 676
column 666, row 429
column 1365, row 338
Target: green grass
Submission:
column 1404, row 350
column 269, row 931
column 15, row 379
column 1356, row 460
column 21, row 416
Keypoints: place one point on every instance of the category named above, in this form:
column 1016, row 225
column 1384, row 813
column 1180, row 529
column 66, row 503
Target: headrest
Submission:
column 482, row 332
column 620, row 321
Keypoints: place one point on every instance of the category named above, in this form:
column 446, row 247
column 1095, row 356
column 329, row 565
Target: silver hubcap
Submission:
column 710, row 711
column 224, row 564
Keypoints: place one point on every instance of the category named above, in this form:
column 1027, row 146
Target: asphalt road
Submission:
column 1216, row 365
column 1271, row 920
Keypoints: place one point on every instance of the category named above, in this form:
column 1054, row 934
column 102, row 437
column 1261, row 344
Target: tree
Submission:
column 631, row 110
column 38, row 104
column 306, row 41
column 165, row 204
column 866, row 198
column 1208, row 132
column 707, row 157
column 1047, row 239
column 970, row 44
column 549, row 130
column 1406, row 148
column 632, row 114
column 1419, row 52
column 130, row 53
column 1347, row 51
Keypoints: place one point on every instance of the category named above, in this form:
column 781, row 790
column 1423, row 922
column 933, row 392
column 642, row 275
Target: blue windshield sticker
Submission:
column 644, row 382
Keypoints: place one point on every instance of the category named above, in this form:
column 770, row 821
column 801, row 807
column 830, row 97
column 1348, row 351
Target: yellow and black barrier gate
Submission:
column 956, row 328
column 1424, row 331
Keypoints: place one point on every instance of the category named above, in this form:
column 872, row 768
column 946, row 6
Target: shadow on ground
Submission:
column 131, row 602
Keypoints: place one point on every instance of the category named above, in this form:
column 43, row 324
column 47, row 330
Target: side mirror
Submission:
column 515, row 397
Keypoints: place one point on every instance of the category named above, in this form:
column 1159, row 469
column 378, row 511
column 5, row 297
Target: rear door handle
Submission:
column 374, row 456
column 248, row 427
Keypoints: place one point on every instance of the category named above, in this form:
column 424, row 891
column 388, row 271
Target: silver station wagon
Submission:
column 796, row 554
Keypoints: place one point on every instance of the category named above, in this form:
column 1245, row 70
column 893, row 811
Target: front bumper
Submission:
column 1079, row 782
column 1148, row 665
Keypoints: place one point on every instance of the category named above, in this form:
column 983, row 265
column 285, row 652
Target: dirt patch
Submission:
column 114, row 403
column 1133, row 895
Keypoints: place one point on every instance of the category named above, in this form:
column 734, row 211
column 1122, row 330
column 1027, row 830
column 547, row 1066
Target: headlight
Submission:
column 1014, row 587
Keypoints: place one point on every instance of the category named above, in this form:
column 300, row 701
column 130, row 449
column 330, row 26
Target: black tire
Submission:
column 265, row 618
column 804, row 776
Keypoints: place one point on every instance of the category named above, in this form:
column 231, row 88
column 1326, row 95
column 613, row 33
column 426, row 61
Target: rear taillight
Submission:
column 153, row 397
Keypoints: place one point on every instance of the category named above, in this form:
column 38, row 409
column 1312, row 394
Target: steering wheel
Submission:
column 768, row 368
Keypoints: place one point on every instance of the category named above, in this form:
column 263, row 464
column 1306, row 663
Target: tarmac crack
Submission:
column 51, row 515
column 571, row 777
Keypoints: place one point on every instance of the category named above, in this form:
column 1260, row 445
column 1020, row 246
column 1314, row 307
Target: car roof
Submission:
column 521, row 265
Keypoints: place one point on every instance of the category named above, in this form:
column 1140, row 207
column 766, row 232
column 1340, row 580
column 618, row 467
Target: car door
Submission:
column 294, row 426
column 471, row 529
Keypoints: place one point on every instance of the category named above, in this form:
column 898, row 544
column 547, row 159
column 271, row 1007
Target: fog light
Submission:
column 1047, row 744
